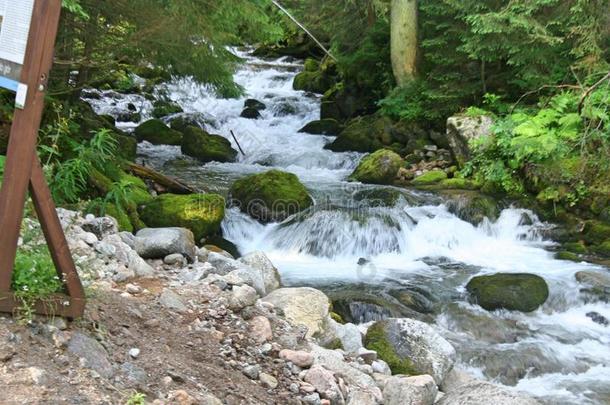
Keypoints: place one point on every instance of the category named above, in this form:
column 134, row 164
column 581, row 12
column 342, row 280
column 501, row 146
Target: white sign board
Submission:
column 15, row 20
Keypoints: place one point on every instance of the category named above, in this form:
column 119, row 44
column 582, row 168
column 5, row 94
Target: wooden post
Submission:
column 22, row 169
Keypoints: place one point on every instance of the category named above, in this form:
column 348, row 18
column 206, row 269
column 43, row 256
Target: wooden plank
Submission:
column 54, row 234
column 24, row 131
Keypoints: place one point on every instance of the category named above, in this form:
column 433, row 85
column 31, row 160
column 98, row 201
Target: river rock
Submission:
column 201, row 213
column 324, row 382
column 302, row 306
column 261, row 263
column 93, row 352
column 300, row 358
column 484, row 393
column 101, row 227
column 272, row 196
column 250, row 113
column 513, row 291
column 334, row 361
column 327, row 126
column 472, row 206
column 241, row 297
column 411, row 347
column 253, row 103
column 158, row 243
column 597, row 283
column 349, row 335
column 205, row 147
column 172, row 301
column 268, row 380
column 157, row 133
column 379, row 167
column 461, row 130
column 418, row 390
column 260, row 329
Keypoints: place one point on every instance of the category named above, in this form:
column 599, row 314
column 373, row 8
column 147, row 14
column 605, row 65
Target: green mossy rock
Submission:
column 314, row 82
column 326, row 126
column 575, row 247
column 472, row 206
column 376, row 339
column 458, row 184
column 362, row 134
column 164, row 108
column 516, row 292
column 127, row 147
column 201, row 213
column 311, row 65
column 603, row 249
column 428, row 178
column 99, row 208
column 157, row 133
column 596, row 232
column 379, row 167
column 272, row 196
column 207, row 148
column 565, row 255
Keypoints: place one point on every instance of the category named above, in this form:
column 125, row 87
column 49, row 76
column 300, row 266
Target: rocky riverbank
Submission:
column 187, row 325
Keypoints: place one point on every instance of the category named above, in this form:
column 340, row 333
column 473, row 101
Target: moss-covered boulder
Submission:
column 428, row 178
column 157, row 133
column 205, row 147
column 315, row 82
column 311, row 65
column 363, row 134
column 472, row 206
column 271, row 196
column 162, row 108
column 326, row 126
column 379, row 167
column 596, row 232
column 411, row 347
column 513, row 291
column 201, row 213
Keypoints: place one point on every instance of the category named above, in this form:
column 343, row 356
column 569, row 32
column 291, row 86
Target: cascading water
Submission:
column 556, row 353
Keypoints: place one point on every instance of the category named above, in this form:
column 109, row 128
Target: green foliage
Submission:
column 137, row 398
column 546, row 147
column 69, row 177
column 34, row 276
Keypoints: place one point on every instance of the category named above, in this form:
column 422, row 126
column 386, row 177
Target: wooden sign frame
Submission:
column 23, row 170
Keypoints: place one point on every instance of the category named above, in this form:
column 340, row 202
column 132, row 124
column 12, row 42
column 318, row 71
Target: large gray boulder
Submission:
column 411, row 347
column 484, row 393
column 302, row 306
column 157, row 243
column 418, row 390
column 461, row 130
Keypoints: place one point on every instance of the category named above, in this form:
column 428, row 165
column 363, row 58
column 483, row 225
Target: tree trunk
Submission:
column 404, row 40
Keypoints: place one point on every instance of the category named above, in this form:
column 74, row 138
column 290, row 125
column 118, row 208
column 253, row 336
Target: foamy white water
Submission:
column 556, row 353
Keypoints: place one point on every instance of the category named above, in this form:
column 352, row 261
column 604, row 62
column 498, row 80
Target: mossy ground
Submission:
column 376, row 339
column 431, row 177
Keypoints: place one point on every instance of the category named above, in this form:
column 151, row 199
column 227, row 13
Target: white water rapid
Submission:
column 556, row 353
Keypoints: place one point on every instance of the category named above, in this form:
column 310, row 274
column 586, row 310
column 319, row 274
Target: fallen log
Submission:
column 172, row 185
